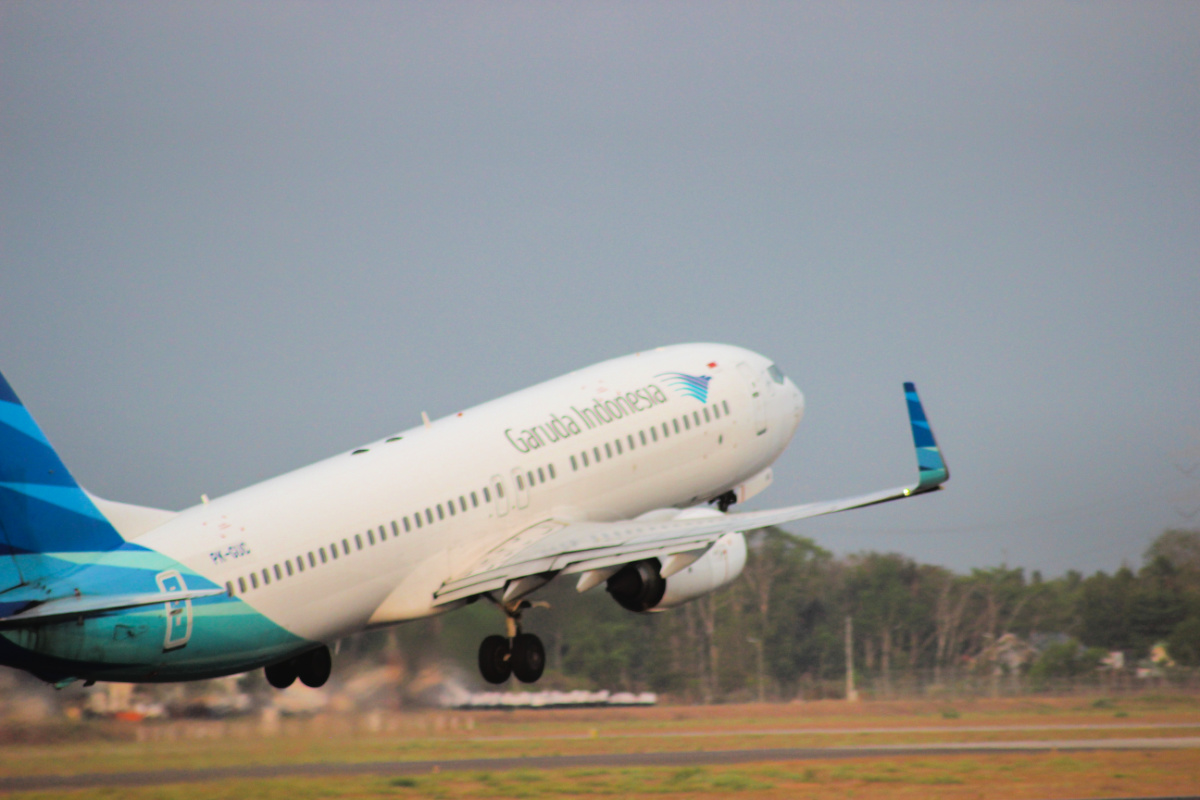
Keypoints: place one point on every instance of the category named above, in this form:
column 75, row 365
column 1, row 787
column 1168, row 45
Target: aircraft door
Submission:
column 522, row 493
column 500, row 499
column 757, row 401
column 179, row 612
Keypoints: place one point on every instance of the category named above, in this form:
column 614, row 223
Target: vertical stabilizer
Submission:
column 43, row 512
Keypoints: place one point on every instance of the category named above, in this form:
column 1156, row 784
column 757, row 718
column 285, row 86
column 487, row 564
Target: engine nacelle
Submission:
column 723, row 562
column 641, row 587
column 638, row 586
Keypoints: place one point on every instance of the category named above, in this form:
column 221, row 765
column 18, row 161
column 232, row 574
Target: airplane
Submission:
column 621, row 474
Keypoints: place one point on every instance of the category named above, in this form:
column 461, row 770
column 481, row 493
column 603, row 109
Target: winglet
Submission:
column 930, row 464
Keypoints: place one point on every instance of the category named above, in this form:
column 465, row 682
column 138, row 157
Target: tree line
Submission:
column 779, row 631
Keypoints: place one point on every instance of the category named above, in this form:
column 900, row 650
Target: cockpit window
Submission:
column 776, row 373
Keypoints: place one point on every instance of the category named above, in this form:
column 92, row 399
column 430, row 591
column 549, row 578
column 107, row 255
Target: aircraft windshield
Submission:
column 776, row 373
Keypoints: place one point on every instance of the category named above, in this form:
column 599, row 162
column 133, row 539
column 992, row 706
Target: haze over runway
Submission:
column 238, row 239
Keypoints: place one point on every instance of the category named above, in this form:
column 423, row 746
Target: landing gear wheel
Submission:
column 494, row 662
column 528, row 657
column 281, row 675
column 313, row 667
column 724, row 501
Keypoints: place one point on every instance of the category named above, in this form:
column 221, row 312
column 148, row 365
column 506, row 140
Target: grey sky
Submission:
column 238, row 238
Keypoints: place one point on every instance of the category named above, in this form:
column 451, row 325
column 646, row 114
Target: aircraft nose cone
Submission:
column 797, row 402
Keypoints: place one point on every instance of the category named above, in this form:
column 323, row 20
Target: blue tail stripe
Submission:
column 6, row 393
column 42, row 509
column 15, row 416
column 29, row 459
column 67, row 498
column 34, row 526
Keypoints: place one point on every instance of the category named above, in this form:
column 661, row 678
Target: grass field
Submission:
column 105, row 748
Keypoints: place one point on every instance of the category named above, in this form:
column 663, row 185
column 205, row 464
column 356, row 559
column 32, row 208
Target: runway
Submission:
column 615, row 760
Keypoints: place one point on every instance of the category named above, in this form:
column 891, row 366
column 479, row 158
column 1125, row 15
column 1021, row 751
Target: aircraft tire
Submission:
column 313, row 667
column 281, row 675
column 494, row 662
column 528, row 657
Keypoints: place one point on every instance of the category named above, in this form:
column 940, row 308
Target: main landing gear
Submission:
column 519, row 654
column 311, row 667
column 724, row 501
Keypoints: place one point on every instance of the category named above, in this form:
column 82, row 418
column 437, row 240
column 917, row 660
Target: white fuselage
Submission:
column 604, row 443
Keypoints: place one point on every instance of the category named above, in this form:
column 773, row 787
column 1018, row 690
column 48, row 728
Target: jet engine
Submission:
column 641, row 587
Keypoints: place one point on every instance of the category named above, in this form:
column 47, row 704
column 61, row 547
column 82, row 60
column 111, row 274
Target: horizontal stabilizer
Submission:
column 84, row 606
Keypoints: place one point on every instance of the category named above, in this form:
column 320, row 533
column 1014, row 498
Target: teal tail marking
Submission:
column 42, row 508
column 932, row 468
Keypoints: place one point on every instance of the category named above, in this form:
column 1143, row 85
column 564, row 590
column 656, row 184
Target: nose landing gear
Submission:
column 519, row 654
column 724, row 501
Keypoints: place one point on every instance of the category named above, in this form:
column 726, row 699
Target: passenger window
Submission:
column 278, row 573
column 395, row 530
column 241, row 585
column 654, row 433
column 429, row 514
column 474, row 500
column 716, row 411
column 499, row 490
column 450, row 508
column 707, row 418
column 462, row 502
column 667, row 430
column 676, row 421
column 345, row 546
column 696, row 417
column 551, row 468
column 541, row 475
column 631, row 441
column 687, row 426
column 725, row 405
column 266, row 577
column 607, row 450
column 642, row 436
column 520, row 483
column 229, row 588
column 288, row 566
column 370, row 537
column 574, row 464
column 583, row 455
column 596, row 453
column 333, row 550
column 487, row 498
column 530, row 476
column 253, row 581
column 417, row 519
column 358, row 541
column 618, row 445
column 312, row 560
column 407, row 527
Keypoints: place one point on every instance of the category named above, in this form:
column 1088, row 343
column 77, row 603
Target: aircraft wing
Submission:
column 553, row 547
